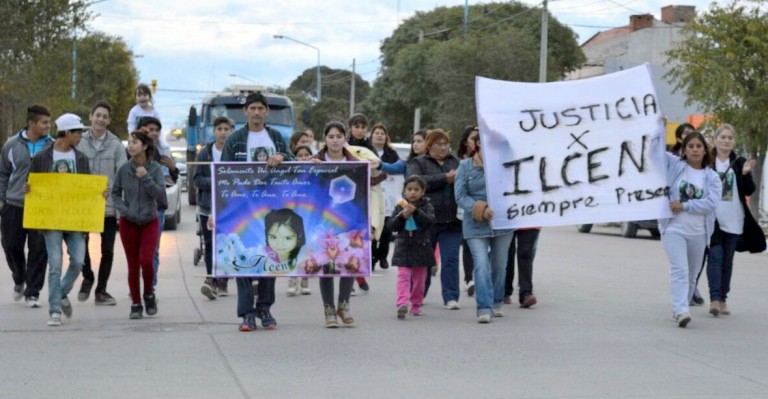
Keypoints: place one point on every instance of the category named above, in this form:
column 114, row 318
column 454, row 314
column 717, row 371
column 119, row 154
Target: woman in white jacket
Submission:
column 694, row 191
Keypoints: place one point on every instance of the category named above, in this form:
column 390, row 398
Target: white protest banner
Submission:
column 573, row 152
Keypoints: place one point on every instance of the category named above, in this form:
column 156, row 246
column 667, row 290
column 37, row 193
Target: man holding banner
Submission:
column 62, row 157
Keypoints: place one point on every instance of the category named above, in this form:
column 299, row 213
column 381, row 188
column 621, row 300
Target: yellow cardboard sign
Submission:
column 65, row 201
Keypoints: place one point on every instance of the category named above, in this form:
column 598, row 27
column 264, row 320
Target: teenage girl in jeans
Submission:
column 138, row 191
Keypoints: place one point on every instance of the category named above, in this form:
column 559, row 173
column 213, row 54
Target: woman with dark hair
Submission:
column 733, row 221
column 392, row 165
column 694, row 192
column 467, row 150
column 335, row 150
column 438, row 168
column 680, row 133
column 138, row 192
column 489, row 247
column 417, row 145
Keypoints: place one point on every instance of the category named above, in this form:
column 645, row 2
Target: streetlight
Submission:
column 319, row 91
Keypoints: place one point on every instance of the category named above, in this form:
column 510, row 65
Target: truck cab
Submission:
column 230, row 103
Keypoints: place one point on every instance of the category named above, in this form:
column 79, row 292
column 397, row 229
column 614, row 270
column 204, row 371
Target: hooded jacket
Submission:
column 15, row 162
column 138, row 199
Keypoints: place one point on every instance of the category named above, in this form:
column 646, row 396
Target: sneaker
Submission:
column 305, row 286
column 452, row 305
column 248, row 324
column 498, row 312
column 66, row 307
column 221, row 287
column 85, row 290
column 354, row 292
column 293, row 287
column 32, row 301
column 208, row 289
column 714, row 307
column 267, row 321
column 682, row 320
column 54, row 319
column 507, row 300
column 528, row 301
column 330, row 317
column 415, row 310
column 697, row 300
column 471, row 288
column 136, row 311
column 724, row 309
column 151, row 303
column 433, row 271
column 18, row 292
column 363, row 284
column 402, row 311
column 344, row 315
column 484, row 318
column 104, row 299
column 384, row 264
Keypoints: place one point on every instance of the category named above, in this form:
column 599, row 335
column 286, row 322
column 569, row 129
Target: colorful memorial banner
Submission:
column 66, row 202
column 295, row 219
column 573, row 152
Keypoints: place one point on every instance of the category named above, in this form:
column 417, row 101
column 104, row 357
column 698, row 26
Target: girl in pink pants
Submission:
column 411, row 220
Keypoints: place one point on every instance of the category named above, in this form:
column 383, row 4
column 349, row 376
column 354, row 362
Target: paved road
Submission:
column 602, row 329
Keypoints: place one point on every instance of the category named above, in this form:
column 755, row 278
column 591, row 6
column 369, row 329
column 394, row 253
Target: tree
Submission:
column 326, row 110
column 430, row 62
column 31, row 29
column 722, row 64
column 336, row 83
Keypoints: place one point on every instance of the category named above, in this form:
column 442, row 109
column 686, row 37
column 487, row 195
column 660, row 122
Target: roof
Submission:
column 607, row 35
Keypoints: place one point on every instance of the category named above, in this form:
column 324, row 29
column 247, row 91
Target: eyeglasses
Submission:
column 443, row 145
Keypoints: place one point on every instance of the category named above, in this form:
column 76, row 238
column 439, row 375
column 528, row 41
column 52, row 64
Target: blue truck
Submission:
column 229, row 103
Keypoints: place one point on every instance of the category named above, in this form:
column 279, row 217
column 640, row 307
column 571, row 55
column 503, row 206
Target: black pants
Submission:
column 380, row 248
column 467, row 262
column 26, row 270
column 265, row 294
column 107, row 255
column 524, row 244
column 208, row 242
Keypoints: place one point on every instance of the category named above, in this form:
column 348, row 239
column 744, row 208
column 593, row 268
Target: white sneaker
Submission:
column 452, row 305
column 293, row 287
column 32, row 301
column 54, row 319
column 484, row 318
column 498, row 313
column 305, row 287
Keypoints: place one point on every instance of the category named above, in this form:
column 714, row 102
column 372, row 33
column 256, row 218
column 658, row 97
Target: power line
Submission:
column 228, row 22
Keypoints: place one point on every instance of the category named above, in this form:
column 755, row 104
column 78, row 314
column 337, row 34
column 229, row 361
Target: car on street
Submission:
column 179, row 155
column 628, row 229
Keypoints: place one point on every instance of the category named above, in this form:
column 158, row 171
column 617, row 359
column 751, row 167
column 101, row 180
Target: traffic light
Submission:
column 154, row 86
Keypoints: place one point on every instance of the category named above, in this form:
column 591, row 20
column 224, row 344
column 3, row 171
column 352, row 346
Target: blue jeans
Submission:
column 156, row 260
column 490, row 270
column 720, row 266
column 59, row 287
column 450, row 241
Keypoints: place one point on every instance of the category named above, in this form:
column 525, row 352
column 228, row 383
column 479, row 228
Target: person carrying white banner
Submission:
column 694, row 191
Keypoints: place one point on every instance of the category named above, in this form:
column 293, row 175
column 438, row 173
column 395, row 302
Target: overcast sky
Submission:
column 196, row 45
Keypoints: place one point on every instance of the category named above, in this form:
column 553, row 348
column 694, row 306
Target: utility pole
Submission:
column 543, row 45
column 417, row 112
column 352, row 91
column 466, row 17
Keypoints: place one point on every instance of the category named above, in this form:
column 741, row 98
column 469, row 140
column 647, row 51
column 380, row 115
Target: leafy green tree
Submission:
column 722, row 64
column 430, row 62
column 336, row 83
column 326, row 110
column 31, row 29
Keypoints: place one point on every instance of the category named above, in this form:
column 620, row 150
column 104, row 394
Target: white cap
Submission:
column 68, row 122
